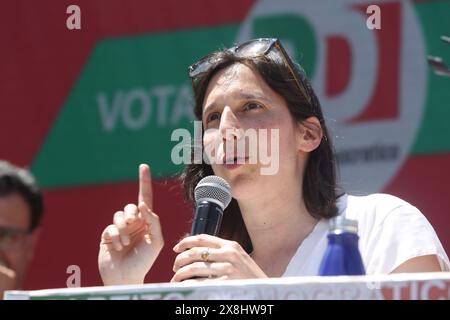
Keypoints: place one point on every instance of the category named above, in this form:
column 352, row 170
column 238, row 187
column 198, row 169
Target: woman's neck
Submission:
column 277, row 225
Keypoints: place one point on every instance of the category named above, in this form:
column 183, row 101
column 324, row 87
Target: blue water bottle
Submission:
column 342, row 256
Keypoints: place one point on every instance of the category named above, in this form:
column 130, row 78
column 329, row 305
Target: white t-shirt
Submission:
column 391, row 231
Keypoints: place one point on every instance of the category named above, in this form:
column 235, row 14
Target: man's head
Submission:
column 21, row 207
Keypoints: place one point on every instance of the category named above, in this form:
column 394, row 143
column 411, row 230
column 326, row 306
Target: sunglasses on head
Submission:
column 251, row 49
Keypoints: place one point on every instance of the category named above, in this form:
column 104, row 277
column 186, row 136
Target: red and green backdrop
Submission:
column 82, row 108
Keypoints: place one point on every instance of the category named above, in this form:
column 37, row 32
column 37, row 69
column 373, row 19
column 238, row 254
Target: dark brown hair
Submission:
column 319, row 182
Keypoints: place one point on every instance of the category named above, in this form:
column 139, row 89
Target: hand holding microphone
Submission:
column 203, row 256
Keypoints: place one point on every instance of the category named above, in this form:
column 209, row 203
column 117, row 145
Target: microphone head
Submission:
column 214, row 189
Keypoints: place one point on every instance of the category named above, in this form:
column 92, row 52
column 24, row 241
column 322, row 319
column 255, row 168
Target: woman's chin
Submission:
column 233, row 173
column 241, row 179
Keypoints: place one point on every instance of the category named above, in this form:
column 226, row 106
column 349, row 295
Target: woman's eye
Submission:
column 212, row 117
column 252, row 106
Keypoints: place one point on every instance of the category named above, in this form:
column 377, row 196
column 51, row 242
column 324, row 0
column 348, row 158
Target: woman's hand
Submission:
column 130, row 245
column 205, row 257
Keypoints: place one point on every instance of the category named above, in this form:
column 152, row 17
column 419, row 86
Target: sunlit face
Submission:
column 238, row 99
column 16, row 253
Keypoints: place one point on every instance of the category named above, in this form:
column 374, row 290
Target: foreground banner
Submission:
column 419, row 286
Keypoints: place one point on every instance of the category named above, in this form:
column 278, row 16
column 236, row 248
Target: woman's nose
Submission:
column 230, row 127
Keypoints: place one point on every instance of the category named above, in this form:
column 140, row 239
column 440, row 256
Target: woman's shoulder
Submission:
column 375, row 208
column 377, row 201
column 391, row 231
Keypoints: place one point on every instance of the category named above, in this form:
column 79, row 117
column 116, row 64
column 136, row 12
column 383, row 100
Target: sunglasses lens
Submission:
column 202, row 66
column 198, row 68
column 253, row 48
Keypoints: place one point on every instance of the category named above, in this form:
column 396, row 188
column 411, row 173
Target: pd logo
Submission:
column 371, row 83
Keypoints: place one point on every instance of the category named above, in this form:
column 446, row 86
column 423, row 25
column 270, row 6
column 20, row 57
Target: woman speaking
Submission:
column 276, row 224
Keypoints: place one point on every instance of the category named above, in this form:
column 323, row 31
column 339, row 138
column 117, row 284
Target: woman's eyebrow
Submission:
column 251, row 96
column 211, row 106
column 241, row 96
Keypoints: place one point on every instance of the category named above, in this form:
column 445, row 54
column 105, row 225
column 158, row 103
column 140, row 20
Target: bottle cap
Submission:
column 342, row 224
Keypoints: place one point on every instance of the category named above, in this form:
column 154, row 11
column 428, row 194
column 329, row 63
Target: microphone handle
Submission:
column 207, row 218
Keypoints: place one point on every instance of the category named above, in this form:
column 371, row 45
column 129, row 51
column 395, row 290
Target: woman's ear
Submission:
column 309, row 134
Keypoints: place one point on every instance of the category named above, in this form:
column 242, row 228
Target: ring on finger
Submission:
column 204, row 254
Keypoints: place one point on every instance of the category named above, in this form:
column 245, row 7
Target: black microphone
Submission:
column 212, row 195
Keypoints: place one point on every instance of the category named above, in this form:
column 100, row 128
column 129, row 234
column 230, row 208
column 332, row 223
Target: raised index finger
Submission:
column 145, row 186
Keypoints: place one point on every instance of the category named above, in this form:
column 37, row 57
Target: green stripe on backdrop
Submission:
column 130, row 96
column 434, row 133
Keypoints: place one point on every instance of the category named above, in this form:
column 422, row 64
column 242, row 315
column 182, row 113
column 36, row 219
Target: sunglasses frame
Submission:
column 205, row 63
